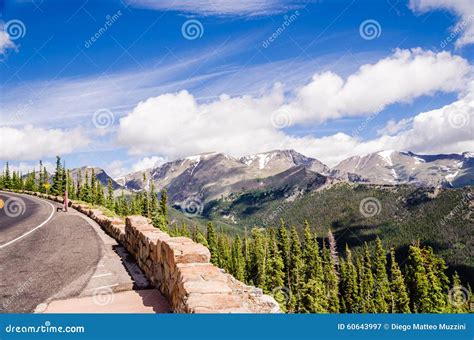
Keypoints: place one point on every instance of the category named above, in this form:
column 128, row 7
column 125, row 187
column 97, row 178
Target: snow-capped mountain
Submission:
column 212, row 175
column 276, row 161
column 395, row 167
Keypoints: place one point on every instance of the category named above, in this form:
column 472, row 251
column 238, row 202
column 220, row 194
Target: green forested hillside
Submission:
column 403, row 214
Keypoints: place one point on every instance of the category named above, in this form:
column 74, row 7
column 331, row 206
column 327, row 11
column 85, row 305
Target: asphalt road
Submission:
column 42, row 252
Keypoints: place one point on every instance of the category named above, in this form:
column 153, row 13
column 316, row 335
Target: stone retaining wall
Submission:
column 179, row 267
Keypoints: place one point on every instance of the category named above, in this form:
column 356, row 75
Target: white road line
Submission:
column 101, row 275
column 35, row 228
column 103, row 287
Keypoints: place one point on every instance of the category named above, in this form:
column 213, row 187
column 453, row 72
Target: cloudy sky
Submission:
column 125, row 85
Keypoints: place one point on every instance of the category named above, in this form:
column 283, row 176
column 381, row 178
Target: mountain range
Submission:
column 216, row 175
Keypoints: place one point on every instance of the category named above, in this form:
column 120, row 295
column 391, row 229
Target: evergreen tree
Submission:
column 439, row 283
column 41, row 181
column 284, row 247
column 400, row 302
column 200, row 238
column 417, row 281
column 381, row 284
column 223, row 248
column 331, row 280
column 367, row 283
column 93, row 188
column 314, row 299
column 212, row 243
column 296, row 272
column 237, row 260
column 163, row 205
column 275, row 274
column 110, row 194
column 311, row 255
column 7, row 181
column 70, row 186
column 458, row 299
column 58, row 184
column 258, row 255
column 348, row 286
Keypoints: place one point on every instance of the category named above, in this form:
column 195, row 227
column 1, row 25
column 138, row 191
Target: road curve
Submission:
column 42, row 252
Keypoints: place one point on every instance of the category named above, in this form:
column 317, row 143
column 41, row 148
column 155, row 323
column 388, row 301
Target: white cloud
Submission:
column 401, row 77
column 220, row 7
column 5, row 42
column 30, row 143
column 176, row 124
column 116, row 169
column 25, row 167
column 148, row 162
column 392, row 127
column 463, row 8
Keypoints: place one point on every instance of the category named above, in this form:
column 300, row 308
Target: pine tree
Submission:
column 85, row 187
column 93, row 188
column 331, row 280
column 200, row 238
column 400, row 302
column 348, row 286
column 284, row 247
column 7, row 181
column 314, row 299
column 79, row 193
column 237, row 260
column 70, row 186
column 212, row 243
column 46, row 184
column 367, row 283
column 296, row 272
column 417, row 281
column 110, row 194
column 58, row 185
column 258, row 256
column 381, row 284
column 311, row 255
column 275, row 274
column 458, row 300
column 223, row 248
column 164, row 206
column 439, row 283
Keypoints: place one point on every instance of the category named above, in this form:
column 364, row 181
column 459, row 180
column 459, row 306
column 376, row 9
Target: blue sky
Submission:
column 258, row 75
